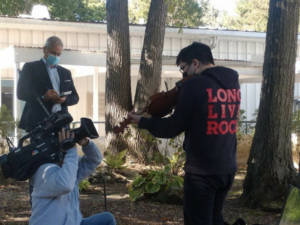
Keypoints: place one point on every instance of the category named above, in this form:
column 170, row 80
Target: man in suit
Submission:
column 45, row 81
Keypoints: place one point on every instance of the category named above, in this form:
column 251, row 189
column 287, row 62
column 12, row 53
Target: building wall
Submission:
column 228, row 45
column 85, row 47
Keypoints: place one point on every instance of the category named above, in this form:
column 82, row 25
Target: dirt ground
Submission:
column 14, row 207
column 15, row 210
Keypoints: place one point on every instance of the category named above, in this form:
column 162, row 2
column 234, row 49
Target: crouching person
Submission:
column 55, row 196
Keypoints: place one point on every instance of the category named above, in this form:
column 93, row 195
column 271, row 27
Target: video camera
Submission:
column 22, row 161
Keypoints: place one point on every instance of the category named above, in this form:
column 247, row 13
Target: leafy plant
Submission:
column 176, row 142
column 296, row 122
column 84, row 185
column 181, row 13
column 149, row 148
column 115, row 161
column 244, row 128
column 296, row 130
column 7, row 125
column 251, row 15
column 291, row 213
column 176, row 161
column 160, row 185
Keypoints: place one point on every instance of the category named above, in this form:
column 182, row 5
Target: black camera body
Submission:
column 22, row 162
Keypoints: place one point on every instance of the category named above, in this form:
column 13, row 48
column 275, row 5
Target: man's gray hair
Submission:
column 53, row 41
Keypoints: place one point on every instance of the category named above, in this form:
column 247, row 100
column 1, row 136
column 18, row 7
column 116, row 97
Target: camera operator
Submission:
column 55, row 196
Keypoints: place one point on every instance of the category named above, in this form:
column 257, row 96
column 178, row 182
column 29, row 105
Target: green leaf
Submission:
column 138, row 182
column 115, row 161
column 159, row 178
column 135, row 194
column 84, row 185
column 177, row 182
column 190, row 10
column 152, row 188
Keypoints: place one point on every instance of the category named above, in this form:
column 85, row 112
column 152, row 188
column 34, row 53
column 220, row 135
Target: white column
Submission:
column 15, row 100
column 0, row 87
column 16, row 69
column 96, row 95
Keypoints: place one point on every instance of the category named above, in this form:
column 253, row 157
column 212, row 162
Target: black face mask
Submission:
column 184, row 75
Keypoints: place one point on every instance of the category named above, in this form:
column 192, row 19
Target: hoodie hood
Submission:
column 227, row 78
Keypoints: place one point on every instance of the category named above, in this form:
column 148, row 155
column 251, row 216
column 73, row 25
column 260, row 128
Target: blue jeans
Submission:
column 104, row 218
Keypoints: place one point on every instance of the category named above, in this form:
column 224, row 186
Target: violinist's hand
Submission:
column 135, row 118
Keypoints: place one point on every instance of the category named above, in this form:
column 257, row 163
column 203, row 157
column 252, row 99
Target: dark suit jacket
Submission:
column 34, row 81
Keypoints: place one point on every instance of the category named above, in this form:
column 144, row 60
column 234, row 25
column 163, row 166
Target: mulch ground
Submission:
column 15, row 210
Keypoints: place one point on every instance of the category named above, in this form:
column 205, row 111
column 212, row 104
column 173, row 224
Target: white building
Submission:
column 21, row 40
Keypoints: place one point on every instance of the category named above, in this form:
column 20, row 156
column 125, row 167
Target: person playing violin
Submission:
column 206, row 111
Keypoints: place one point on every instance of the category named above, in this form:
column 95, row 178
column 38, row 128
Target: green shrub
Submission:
column 149, row 148
column 296, row 122
column 84, row 185
column 7, row 125
column 159, row 185
column 176, row 161
column 115, row 161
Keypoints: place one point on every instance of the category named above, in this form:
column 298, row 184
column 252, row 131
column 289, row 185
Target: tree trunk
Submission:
column 151, row 59
column 270, row 165
column 150, row 71
column 118, row 91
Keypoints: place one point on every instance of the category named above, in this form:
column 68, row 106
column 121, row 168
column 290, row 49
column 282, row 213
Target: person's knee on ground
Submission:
column 104, row 218
column 110, row 219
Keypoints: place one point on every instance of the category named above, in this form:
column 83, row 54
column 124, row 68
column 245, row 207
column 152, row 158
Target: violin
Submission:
column 161, row 104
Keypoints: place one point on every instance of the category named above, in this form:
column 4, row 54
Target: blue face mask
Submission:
column 52, row 60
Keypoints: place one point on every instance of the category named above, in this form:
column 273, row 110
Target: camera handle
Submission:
column 10, row 144
column 38, row 99
column 43, row 106
column 35, row 130
column 20, row 142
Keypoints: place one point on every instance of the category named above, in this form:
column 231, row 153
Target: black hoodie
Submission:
column 207, row 111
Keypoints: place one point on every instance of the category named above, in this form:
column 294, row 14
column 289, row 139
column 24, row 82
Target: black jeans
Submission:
column 204, row 196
